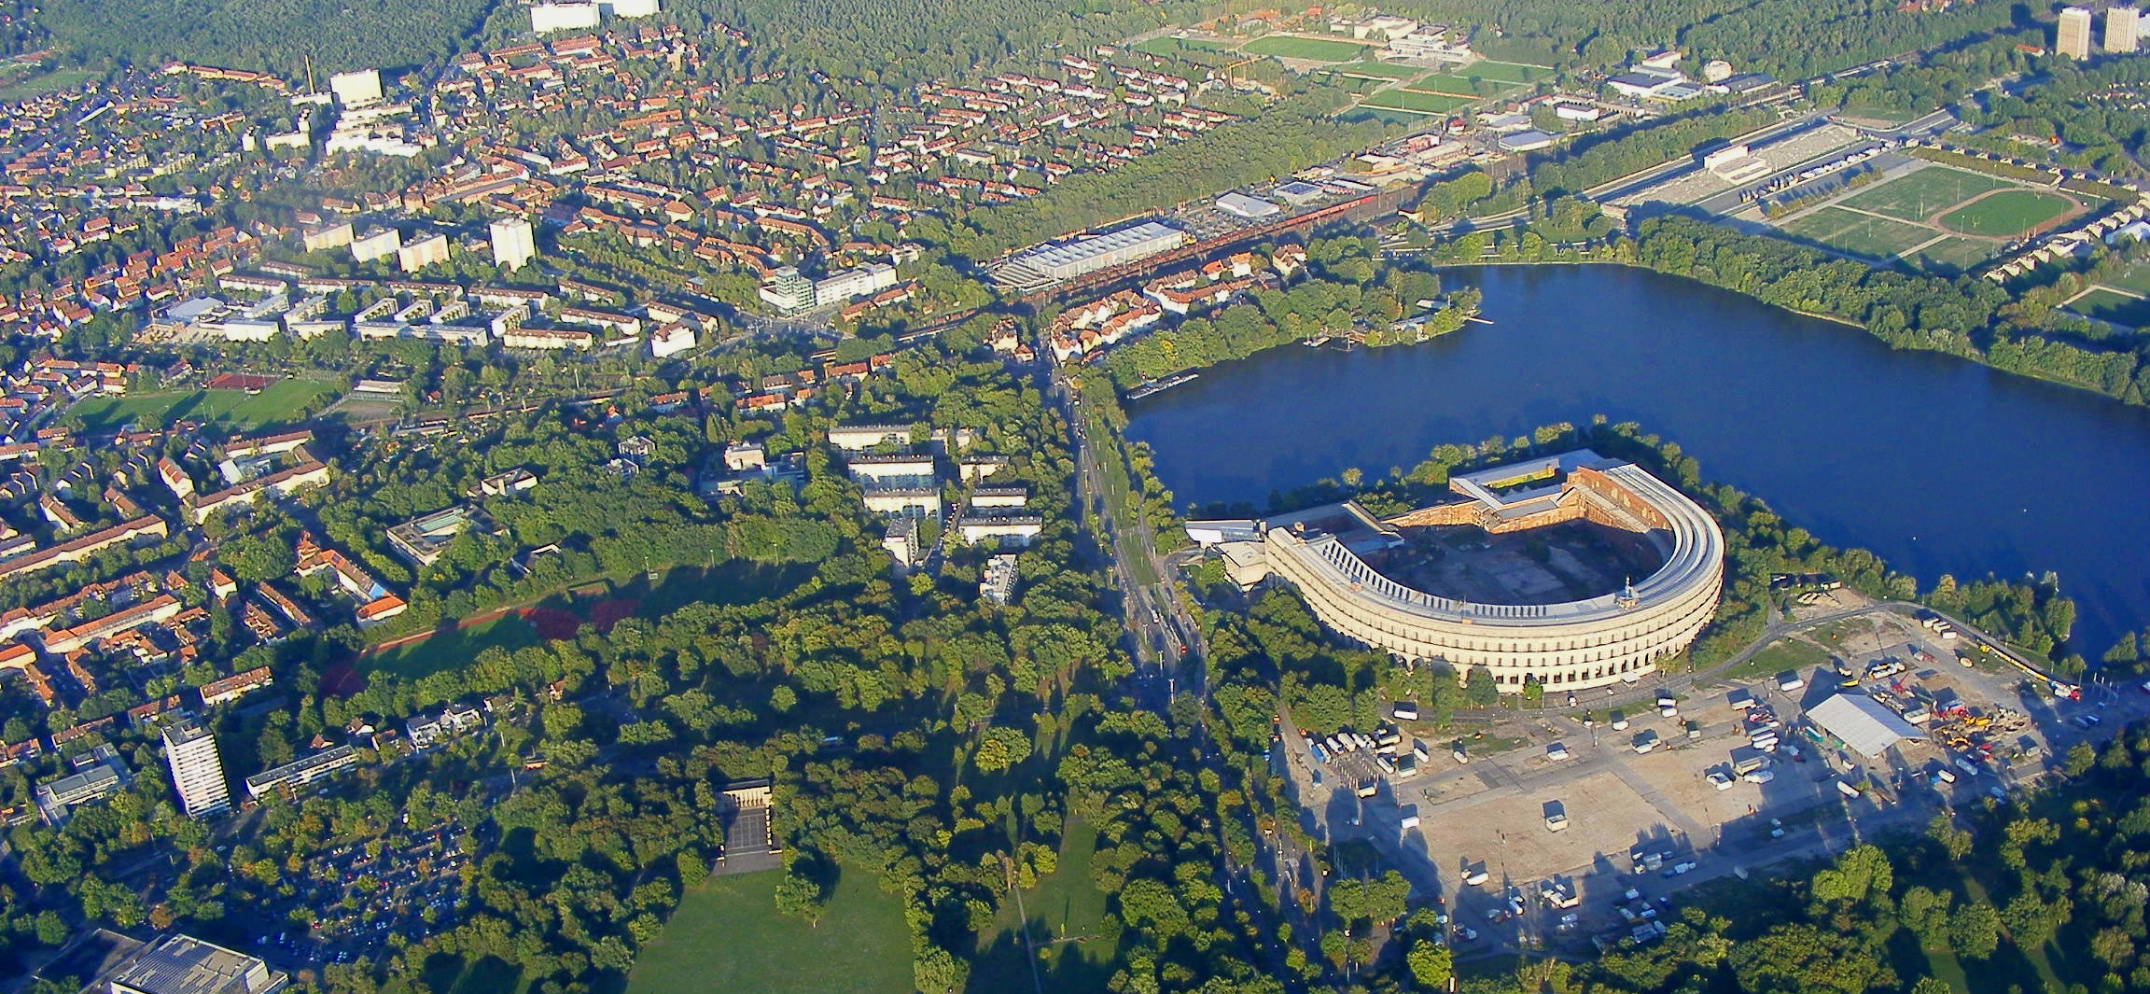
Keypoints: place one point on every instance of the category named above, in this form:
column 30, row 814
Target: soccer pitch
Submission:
column 1915, row 197
column 1858, row 234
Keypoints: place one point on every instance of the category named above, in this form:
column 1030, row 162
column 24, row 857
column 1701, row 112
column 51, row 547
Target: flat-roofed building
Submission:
column 356, row 88
column 379, row 243
column 2072, row 38
column 302, row 772
column 197, row 770
column 905, row 502
column 891, row 471
column 1004, row 530
column 422, row 539
column 2123, row 30
column 859, row 438
column 514, row 244
column 183, row 964
column 1088, row 255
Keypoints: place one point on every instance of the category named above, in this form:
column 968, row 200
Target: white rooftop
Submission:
column 1865, row 725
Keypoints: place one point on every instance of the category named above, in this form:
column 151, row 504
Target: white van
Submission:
column 1475, row 877
column 1846, row 789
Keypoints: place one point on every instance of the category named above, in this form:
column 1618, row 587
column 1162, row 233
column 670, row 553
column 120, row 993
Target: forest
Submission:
column 287, row 37
column 1791, row 39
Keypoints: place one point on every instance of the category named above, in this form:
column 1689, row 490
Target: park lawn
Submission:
column 1066, row 904
column 1463, row 85
column 1951, row 255
column 2106, row 304
column 1858, row 234
column 450, row 649
column 2007, row 213
column 727, row 936
column 1787, row 654
column 2135, row 277
column 1917, row 196
column 1310, row 49
column 51, row 82
column 1413, row 100
column 279, row 402
column 1165, row 46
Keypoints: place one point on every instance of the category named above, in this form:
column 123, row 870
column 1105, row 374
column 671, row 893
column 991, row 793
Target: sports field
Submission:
column 2106, row 304
column 51, row 82
column 452, row 649
column 1464, row 85
column 1414, row 101
column 1856, row 233
column 1165, row 47
column 1951, row 255
column 1917, row 196
column 727, row 936
column 1311, row 49
column 1507, row 72
column 2006, row 214
column 1375, row 70
column 277, row 404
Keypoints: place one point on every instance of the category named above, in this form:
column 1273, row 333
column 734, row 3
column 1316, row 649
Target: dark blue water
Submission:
column 1937, row 464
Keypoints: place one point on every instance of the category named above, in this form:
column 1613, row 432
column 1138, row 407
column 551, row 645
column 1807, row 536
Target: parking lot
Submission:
column 1490, row 813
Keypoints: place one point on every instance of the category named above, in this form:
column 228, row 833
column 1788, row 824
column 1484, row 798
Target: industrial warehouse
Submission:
column 1090, row 254
column 1499, row 608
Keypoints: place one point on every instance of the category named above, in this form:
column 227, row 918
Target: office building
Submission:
column 788, row 291
column 2123, row 30
column 2073, row 40
column 840, row 287
column 357, row 88
column 197, row 770
column 513, row 243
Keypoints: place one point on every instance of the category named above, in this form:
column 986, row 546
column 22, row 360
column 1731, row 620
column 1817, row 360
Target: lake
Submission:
column 1937, row 464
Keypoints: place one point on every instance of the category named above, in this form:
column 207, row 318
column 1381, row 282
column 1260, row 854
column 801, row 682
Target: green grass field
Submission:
column 451, row 649
column 2106, row 304
column 1951, row 255
column 51, row 82
column 1311, row 49
column 279, row 403
column 1917, row 196
column 2007, row 213
column 1167, row 47
column 1464, row 85
column 2135, row 277
column 1776, row 658
column 1859, row 234
column 727, row 936
column 1375, row 70
column 1507, row 72
column 1413, row 100
column 1064, row 905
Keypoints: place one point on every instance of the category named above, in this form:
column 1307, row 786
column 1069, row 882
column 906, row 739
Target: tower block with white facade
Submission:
column 197, row 770
column 513, row 243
